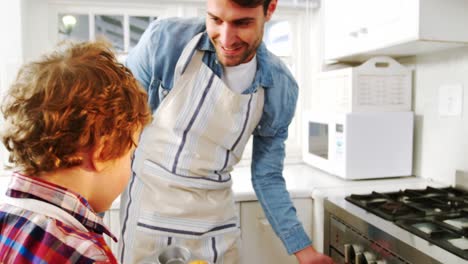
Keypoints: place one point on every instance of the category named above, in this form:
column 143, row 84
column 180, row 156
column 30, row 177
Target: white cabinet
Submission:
column 259, row 242
column 359, row 29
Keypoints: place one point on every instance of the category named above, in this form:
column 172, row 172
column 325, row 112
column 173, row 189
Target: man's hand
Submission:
column 309, row 255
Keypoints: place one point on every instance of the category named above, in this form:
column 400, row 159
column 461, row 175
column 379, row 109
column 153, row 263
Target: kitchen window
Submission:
column 123, row 31
column 281, row 37
column 122, row 24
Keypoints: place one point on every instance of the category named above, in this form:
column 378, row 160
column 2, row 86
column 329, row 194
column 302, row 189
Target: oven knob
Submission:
column 348, row 253
column 351, row 251
column 365, row 258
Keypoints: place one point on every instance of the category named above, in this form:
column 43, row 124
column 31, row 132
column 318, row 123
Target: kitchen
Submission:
column 439, row 148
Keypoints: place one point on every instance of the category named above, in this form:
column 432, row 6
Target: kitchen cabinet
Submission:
column 259, row 242
column 356, row 30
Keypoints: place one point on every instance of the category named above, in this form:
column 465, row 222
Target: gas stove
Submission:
column 428, row 225
column 438, row 215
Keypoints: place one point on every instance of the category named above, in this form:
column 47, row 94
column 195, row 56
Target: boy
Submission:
column 72, row 120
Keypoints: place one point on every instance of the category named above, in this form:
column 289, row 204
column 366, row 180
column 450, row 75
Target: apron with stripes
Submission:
column 180, row 193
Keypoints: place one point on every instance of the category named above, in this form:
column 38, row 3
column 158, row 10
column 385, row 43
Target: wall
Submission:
column 441, row 142
column 11, row 52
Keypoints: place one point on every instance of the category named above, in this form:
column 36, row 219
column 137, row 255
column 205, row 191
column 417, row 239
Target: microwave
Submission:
column 360, row 145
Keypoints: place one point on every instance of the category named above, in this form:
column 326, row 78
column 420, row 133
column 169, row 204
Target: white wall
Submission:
column 36, row 20
column 441, row 142
column 11, row 31
column 11, row 52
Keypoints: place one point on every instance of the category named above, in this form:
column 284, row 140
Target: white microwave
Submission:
column 360, row 145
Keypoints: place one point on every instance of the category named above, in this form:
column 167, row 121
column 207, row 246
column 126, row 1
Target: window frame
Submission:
column 93, row 9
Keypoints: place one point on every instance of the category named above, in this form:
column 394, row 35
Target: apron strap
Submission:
column 186, row 56
column 46, row 209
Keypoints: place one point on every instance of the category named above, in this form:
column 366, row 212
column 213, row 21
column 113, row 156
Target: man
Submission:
column 211, row 84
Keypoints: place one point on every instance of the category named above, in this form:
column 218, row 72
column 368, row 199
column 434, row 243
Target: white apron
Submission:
column 181, row 190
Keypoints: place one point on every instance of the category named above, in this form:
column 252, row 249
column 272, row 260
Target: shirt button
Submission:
column 164, row 92
column 259, row 126
column 216, row 61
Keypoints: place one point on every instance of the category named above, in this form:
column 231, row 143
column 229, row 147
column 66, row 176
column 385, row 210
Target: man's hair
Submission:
column 253, row 3
column 68, row 102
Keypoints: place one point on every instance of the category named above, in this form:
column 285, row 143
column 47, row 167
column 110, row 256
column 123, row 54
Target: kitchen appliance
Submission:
column 380, row 84
column 408, row 226
column 360, row 145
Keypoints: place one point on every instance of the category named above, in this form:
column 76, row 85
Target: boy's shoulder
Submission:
column 40, row 237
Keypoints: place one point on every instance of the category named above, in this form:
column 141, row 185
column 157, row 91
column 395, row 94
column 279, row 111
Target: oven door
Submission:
column 348, row 239
column 346, row 246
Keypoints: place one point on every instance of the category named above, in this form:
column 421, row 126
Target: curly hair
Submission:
column 68, row 102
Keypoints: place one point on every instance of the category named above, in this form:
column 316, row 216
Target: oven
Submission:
column 427, row 226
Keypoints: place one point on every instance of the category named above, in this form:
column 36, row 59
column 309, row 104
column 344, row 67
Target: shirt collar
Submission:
column 73, row 203
column 263, row 75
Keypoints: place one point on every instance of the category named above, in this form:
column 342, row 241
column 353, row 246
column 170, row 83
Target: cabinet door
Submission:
column 339, row 24
column 387, row 22
column 259, row 242
column 358, row 26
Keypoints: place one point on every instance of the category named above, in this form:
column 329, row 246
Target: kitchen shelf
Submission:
column 357, row 30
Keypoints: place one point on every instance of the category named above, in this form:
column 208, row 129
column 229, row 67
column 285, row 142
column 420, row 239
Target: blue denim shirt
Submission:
column 153, row 61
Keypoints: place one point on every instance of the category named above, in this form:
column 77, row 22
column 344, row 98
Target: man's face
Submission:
column 235, row 31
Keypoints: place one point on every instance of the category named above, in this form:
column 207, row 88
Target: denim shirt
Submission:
column 153, row 61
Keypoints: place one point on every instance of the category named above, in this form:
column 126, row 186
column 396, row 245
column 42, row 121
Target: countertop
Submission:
column 302, row 181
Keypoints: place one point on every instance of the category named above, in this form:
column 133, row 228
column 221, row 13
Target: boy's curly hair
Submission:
column 67, row 103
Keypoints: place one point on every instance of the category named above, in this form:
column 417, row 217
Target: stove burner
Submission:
column 439, row 215
column 395, row 208
column 461, row 243
column 434, row 231
column 459, row 223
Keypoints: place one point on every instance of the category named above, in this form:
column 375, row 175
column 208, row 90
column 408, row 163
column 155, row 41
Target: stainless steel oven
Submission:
column 356, row 235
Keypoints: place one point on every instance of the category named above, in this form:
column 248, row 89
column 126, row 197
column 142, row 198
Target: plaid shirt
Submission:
column 29, row 237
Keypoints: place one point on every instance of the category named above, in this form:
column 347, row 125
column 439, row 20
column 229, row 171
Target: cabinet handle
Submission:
column 263, row 224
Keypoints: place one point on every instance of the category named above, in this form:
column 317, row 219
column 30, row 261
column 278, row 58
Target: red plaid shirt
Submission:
column 29, row 237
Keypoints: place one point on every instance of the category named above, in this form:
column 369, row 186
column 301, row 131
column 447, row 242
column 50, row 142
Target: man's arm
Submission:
column 141, row 62
column 268, row 182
